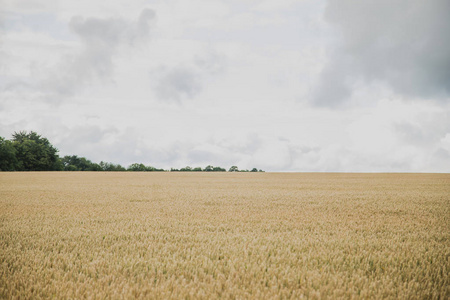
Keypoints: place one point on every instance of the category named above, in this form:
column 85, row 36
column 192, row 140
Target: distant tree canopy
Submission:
column 8, row 159
column 143, row 168
column 211, row 168
column 75, row 163
column 106, row 166
column 34, row 153
column 233, row 169
column 29, row 151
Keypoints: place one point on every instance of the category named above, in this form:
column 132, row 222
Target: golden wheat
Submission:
column 228, row 235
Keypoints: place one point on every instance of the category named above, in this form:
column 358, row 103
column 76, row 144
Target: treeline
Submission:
column 213, row 169
column 29, row 151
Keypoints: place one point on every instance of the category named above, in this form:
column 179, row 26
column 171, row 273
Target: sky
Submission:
column 280, row 85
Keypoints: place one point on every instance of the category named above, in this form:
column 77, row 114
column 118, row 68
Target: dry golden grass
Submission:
column 229, row 235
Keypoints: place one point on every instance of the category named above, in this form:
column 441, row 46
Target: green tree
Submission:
column 153, row 169
column 70, row 168
column 8, row 159
column 137, row 167
column 106, row 166
column 35, row 153
column 233, row 169
column 219, row 169
column 95, row 167
column 209, row 169
column 75, row 163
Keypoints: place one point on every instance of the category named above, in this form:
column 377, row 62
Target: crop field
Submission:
column 224, row 235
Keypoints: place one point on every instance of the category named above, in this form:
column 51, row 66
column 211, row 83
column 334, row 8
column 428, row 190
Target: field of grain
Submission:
column 229, row 235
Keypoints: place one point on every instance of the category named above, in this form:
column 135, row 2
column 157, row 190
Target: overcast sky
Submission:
column 281, row 85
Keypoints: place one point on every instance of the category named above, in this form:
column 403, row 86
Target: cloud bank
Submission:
column 399, row 43
column 101, row 39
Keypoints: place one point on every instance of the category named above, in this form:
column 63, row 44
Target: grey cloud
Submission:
column 119, row 146
column 10, row 90
column 3, row 17
column 203, row 158
column 211, row 62
column 413, row 134
column 3, row 54
column 301, row 157
column 401, row 43
column 426, row 131
column 17, row 86
column 111, row 32
column 100, row 39
column 99, row 31
column 225, row 152
column 332, row 89
column 439, row 160
column 145, row 22
column 177, row 83
column 97, row 143
column 8, row 128
column 186, row 81
column 248, row 146
column 88, row 135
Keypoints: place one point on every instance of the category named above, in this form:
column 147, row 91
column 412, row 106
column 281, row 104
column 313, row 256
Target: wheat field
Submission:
column 224, row 235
